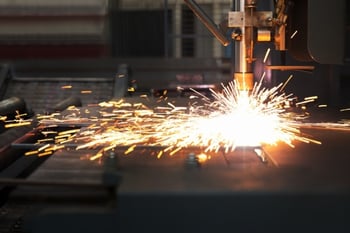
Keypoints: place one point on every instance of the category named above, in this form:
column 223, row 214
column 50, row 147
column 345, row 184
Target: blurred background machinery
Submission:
column 89, row 39
column 55, row 54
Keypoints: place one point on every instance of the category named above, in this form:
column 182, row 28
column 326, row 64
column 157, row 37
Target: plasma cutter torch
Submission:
column 249, row 26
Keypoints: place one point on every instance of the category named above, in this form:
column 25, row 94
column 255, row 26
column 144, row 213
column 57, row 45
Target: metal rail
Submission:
column 207, row 21
column 18, row 181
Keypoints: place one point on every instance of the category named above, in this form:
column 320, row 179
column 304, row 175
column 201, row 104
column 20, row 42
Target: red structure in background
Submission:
column 54, row 31
column 27, row 51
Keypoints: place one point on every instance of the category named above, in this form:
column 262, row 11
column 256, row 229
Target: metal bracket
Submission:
column 242, row 19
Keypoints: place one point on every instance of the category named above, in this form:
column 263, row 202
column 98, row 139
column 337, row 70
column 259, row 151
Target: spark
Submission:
column 17, row 124
column 44, row 153
column 234, row 118
column 286, row 82
column 121, row 75
column 294, row 33
column 96, row 156
column 130, row 149
column 202, row 157
column 175, row 151
column 307, row 100
column 45, row 140
column 345, row 109
column 43, row 147
column 68, row 132
column 311, row 97
column 230, row 118
column 50, row 116
column 32, row 152
column 131, row 89
column 160, row 153
column 266, row 55
column 46, row 133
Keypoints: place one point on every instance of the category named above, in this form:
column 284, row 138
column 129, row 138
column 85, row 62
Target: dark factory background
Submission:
column 44, row 45
column 158, row 40
column 57, row 53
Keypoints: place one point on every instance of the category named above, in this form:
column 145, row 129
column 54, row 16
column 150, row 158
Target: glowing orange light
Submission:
column 33, row 152
column 18, row 124
column 231, row 118
column 202, row 157
column 234, row 118
column 130, row 149
column 45, row 153
column 160, row 153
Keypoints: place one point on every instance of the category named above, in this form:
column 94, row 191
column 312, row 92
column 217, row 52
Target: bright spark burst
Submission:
column 230, row 119
column 233, row 119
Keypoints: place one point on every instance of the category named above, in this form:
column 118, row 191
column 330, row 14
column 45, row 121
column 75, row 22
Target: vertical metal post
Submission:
column 121, row 81
column 240, row 46
column 166, row 29
column 243, row 60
